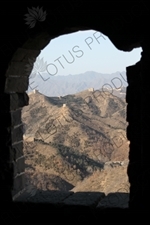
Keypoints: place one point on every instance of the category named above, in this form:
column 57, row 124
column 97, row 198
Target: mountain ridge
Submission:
column 70, row 136
column 70, row 84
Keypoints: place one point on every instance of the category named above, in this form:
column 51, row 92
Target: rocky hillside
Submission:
column 68, row 139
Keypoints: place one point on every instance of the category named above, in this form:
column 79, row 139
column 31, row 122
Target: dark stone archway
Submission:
column 126, row 26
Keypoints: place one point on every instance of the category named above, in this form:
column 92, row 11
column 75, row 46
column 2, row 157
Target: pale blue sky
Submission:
column 96, row 54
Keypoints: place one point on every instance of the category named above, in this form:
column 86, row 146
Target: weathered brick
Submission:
column 17, row 69
column 16, row 117
column 39, row 42
column 18, row 100
column 16, row 84
column 19, row 166
column 13, row 101
column 23, row 54
column 19, row 184
column 17, row 134
column 17, row 150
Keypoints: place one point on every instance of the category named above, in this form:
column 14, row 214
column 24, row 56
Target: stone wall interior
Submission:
column 126, row 26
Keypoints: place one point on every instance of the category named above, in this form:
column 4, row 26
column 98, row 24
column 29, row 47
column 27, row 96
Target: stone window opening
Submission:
column 17, row 86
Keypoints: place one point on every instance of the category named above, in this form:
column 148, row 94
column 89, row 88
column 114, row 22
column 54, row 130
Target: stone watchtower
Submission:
column 35, row 91
column 91, row 89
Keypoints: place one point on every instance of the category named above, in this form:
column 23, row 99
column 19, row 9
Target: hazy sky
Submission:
column 86, row 51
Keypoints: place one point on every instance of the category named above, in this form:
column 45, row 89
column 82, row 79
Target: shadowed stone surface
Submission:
column 39, row 196
column 84, row 199
column 126, row 25
column 115, row 200
column 97, row 200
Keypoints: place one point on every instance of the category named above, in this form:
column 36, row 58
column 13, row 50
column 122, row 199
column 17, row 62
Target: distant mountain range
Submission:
column 53, row 86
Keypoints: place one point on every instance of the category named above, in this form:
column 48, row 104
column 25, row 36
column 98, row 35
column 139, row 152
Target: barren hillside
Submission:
column 68, row 138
